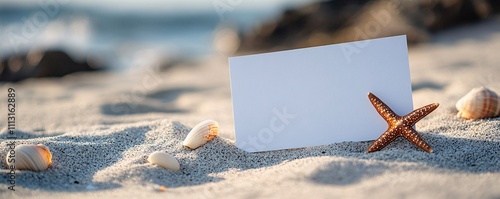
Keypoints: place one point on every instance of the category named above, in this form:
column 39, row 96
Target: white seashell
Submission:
column 30, row 157
column 479, row 103
column 164, row 160
column 201, row 134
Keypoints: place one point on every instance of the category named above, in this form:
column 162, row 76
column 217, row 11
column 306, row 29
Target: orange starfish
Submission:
column 400, row 125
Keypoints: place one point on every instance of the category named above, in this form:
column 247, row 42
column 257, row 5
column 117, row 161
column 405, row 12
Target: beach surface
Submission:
column 101, row 127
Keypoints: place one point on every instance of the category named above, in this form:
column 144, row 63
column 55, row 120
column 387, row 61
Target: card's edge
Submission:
column 319, row 46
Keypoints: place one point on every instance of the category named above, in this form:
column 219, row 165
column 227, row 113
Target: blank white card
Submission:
column 317, row 96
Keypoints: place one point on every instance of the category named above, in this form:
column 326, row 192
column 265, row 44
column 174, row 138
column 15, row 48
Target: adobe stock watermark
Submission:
column 23, row 34
column 126, row 103
column 223, row 6
column 11, row 129
column 279, row 121
column 379, row 19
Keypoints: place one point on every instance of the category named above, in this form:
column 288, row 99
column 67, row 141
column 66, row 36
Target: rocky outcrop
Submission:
column 50, row 63
column 337, row 21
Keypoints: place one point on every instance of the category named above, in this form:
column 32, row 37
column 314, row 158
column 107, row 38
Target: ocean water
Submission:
column 117, row 35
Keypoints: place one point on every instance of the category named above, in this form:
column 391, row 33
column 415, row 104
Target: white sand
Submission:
column 102, row 127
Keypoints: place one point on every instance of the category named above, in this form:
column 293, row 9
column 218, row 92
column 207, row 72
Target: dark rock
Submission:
column 50, row 63
column 337, row 21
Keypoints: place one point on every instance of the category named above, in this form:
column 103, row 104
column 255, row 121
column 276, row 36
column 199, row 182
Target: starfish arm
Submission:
column 382, row 108
column 412, row 135
column 416, row 115
column 386, row 138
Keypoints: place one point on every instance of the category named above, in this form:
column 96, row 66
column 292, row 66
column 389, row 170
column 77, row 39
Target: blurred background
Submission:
column 52, row 38
column 95, row 34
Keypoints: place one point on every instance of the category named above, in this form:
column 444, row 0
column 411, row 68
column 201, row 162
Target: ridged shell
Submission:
column 164, row 160
column 201, row 134
column 31, row 157
column 479, row 103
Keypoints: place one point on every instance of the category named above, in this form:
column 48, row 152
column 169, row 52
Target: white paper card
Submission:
column 319, row 95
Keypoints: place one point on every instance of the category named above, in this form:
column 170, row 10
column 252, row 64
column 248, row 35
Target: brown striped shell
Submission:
column 31, row 157
column 479, row 103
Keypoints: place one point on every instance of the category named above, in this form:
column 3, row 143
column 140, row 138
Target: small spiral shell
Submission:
column 479, row 103
column 30, row 157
